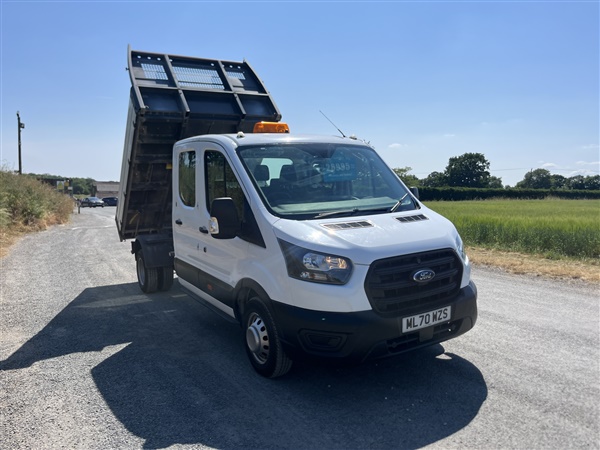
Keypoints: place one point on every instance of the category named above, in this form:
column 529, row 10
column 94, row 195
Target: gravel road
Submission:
column 88, row 361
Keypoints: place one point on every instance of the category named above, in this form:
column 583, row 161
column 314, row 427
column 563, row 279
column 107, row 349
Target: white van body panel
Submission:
column 386, row 237
column 234, row 260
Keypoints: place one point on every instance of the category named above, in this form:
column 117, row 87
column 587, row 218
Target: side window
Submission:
column 187, row 178
column 221, row 182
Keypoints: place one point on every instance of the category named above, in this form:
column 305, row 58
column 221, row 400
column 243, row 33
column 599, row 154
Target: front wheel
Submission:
column 262, row 343
column 147, row 276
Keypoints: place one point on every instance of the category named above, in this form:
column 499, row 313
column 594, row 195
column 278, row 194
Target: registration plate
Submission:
column 426, row 319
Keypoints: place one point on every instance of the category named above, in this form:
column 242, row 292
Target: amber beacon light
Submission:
column 271, row 127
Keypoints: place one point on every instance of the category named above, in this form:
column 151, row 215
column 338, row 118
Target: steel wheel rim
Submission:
column 257, row 338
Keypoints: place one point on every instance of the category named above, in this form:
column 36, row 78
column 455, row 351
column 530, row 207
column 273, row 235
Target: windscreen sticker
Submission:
column 339, row 169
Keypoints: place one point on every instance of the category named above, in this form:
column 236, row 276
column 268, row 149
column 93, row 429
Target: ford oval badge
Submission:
column 423, row 275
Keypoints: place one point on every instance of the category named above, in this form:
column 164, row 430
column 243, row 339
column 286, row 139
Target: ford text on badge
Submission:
column 423, row 276
column 426, row 319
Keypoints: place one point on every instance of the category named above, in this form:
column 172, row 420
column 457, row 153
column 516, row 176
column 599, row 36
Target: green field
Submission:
column 554, row 228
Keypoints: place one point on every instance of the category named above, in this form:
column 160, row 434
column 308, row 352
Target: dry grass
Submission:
column 526, row 264
column 28, row 205
column 7, row 240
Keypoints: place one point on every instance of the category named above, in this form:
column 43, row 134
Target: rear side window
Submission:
column 187, row 178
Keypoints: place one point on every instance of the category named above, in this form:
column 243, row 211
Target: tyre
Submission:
column 165, row 278
column 147, row 277
column 262, row 342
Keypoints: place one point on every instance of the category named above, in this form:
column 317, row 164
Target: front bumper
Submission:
column 364, row 335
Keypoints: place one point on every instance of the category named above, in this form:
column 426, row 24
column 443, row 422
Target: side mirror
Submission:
column 415, row 192
column 224, row 221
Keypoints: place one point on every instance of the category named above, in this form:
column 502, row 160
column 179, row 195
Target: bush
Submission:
column 30, row 204
column 460, row 194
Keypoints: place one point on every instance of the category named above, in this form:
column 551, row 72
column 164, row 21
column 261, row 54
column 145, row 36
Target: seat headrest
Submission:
column 261, row 172
column 288, row 172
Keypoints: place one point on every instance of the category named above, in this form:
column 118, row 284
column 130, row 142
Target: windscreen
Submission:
column 307, row 181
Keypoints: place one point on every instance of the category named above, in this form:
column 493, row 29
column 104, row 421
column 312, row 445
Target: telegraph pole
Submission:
column 20, row 125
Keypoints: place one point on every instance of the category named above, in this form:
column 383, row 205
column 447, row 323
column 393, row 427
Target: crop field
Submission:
column 553, row 228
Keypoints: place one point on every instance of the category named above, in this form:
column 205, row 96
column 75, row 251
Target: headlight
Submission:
column 314, row 266
column 460, row 248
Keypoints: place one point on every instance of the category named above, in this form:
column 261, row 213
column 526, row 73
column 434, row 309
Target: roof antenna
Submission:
column 343, row 135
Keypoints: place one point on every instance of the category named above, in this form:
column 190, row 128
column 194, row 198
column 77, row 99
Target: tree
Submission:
column 495, row 183
column 536, row 179
column 558, row 181
column 590, row 182
column 83, row 186
column 468, row 170
column 408, row 179
column 435, row 179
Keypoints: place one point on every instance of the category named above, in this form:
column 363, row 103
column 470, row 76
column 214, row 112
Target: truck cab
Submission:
column 316, row 247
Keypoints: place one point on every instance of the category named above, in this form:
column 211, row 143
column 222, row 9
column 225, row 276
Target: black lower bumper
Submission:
column 359, row 336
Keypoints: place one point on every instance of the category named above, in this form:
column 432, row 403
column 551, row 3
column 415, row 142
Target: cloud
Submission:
column 449, row 135
column 590, row 147
column 587, row 168
column 583, row 172
column 396, row 145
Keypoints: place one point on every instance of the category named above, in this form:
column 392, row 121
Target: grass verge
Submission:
column 536, row 265
column 553, row 238
column 27, row 205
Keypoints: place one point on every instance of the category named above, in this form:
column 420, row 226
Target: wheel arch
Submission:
column 157, row 249
column 243, row 293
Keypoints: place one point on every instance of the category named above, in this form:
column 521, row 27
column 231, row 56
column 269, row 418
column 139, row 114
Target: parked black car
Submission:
column 92, row 202
column 110, row 201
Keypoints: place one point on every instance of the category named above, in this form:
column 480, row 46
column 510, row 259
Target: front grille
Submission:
column 393, row 292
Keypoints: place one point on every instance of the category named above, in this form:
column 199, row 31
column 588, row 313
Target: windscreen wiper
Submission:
column 398, row 203
column 346, row 212
column 350, row 212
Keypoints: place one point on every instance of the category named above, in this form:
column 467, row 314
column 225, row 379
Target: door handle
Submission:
column 203, row 230
column 179, row 222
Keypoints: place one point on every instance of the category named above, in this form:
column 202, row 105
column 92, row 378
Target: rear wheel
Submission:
column 147, row 276
column 262, row 342
column 165, row 278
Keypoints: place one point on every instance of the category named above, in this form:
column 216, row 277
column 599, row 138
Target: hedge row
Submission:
column 459, row 194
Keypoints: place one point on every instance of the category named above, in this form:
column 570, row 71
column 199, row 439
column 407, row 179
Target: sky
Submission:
column 422, row 81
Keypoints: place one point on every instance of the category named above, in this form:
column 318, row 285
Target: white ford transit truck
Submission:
column 311, row 243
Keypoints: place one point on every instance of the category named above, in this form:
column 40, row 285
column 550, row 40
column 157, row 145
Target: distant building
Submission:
column 107, row 189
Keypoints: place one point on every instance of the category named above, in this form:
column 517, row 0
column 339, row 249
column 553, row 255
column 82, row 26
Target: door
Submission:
column 213, row 266
column 185, row 213
column 221, row 258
